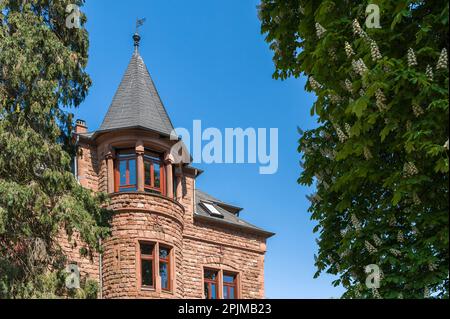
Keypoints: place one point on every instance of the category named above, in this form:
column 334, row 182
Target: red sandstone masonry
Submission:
column 145, row 217
column 87, row 166
column 141, row 217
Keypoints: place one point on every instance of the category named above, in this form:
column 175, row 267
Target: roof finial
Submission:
column 136, row 36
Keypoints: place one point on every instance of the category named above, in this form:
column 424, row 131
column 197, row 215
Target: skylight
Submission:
column 212, row 210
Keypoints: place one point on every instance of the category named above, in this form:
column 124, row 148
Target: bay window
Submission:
column 130, row 176
column 153, row 173
column 126, row 169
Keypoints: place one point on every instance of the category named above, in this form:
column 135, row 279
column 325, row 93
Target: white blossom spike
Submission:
column 370, row 247
column 356, row 222
column 426, row 293
column 348, row 129
column 348, row 85
column 334, row 98
column 400, row 237
column 320, row 30
column 429, row 73
column 432, row 267
column 446, row 145
column 380, row 100
column 375, row 293
column 341, row 135
column 443, row 60
column 375, row 51
column 349, row 50
column 395, row 252
column 359, row 67
column 316, row 86
column 357, row 30
column 412, row 61
column 416, row 199
column 409, row 169
column 417, row 110
column 367, row 153
column 332, row 54
column 377, row 240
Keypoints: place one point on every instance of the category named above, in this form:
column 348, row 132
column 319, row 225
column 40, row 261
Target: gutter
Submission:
column 100, row 271
column 75, row 159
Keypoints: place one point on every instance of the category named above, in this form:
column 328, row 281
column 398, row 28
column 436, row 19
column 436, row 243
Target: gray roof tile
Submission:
column 137, row 102
column 228, row 216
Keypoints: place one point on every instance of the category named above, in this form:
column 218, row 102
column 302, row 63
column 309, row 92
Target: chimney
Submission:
column 80, row 127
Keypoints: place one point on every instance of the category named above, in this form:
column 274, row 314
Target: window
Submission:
column 210, row 283
column 147, row 265
column 153, row 173
column 164, row 267
column 155, row 259
column 229, row 286
column 215, row 281
column 126, row 171
column 212, row 210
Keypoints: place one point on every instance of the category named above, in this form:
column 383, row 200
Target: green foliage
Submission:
column 378, row 155
column 42, row 72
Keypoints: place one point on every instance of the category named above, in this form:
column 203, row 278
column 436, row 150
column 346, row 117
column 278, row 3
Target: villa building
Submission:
column 168, row 239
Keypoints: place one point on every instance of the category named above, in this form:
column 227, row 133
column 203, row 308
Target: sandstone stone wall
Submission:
column 141, row 217
column 196, row 244
column 209, row 246
column 87, row 166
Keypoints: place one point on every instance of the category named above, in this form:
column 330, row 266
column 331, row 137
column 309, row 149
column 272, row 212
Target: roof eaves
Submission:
column 223, row 222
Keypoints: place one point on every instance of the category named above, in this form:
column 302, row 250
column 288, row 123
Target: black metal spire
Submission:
column 136, row 38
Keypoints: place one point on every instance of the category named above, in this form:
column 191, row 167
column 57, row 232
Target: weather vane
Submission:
column 139, row 23
column 136, row 36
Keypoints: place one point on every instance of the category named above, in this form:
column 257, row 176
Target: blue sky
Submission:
column 210, row 62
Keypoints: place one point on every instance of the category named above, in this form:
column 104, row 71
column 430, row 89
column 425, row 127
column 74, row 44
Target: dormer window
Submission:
column 126, row 171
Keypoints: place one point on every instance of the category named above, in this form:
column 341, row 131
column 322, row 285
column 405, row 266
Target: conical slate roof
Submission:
column 137, row 102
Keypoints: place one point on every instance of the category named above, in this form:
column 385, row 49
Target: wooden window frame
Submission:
column 210, row 282
column 152, row 158
column 147, row 257
column 169, row 265
column 228, row 285
column 156, row 261
column 127, row 158
column 221, row 284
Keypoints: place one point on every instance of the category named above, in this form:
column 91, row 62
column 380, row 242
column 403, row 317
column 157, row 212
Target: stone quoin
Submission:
column 168, row 238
